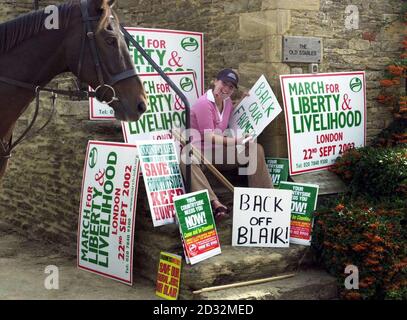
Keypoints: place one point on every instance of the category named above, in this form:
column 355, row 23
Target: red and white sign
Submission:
column 162, row 178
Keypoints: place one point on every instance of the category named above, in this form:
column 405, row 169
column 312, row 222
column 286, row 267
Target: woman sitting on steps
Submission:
column 209, row 119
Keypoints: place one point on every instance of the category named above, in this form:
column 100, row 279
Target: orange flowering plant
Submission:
column 369, row 236
column 393, row 95
column 375, row 172
column 367, row 227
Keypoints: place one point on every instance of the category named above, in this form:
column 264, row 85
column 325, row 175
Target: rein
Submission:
column 8, row 147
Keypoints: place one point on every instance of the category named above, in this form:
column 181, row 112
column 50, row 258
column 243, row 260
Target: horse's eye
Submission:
column 111, row 41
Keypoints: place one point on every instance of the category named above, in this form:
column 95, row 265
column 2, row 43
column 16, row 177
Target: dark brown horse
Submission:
column 31, row 53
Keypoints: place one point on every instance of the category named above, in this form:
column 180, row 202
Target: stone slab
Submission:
column 305, row 285
column 328, row 182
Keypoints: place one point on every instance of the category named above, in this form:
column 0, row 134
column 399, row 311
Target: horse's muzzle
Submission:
column 141, row 107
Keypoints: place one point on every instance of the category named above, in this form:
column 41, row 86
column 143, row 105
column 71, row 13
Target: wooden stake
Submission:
column 205, row 161
column 245, row 283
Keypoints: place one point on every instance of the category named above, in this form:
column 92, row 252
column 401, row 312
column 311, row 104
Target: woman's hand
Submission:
column 245, row 139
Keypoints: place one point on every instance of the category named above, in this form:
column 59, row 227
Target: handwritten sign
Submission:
column 168, row 276
column 304, row 203
column 256, row 111
column 325, row 115
column 261, row 217
column 107, row 210
column 162, row 178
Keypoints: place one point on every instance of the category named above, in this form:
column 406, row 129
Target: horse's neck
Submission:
column 37, row 60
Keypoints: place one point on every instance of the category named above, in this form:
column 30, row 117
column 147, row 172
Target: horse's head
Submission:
column 115, row 81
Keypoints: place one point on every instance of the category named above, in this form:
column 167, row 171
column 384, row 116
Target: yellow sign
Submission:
column 168, row 276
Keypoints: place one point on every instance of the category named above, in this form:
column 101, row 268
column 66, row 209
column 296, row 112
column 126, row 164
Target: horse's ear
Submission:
column 99, row 4
column 111, row 3
column 102, row 4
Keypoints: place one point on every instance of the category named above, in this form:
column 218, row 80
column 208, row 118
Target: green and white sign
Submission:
column 162, row 178
column 256, row 111
column 107, row 210
column 304, row 203
column 325, row 115
column 165, row 110
column 172, row 50
column 197, row 226
column 278, row 168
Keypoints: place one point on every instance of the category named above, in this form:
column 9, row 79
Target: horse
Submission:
column 88, row 43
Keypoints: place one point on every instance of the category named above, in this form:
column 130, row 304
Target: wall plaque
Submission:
column 302, row 49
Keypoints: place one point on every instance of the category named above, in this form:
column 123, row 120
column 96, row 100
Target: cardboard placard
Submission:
column 168, row 276
column 197, row 226
column 255, row 112
column 172, row 50
column 304, row 203
column 165, row 110
column 278, row 168
column 162, row 178
column 108, row 209
column 261, row 217
column 325, row 115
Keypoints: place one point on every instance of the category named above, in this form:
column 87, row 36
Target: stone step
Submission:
column 236, row 264
column 311, row 284
column 232, row 265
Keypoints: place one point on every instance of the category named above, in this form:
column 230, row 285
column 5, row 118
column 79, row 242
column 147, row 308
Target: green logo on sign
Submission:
column 189, row 44
column 93, row 157
column 186, row 84
column 355, row 84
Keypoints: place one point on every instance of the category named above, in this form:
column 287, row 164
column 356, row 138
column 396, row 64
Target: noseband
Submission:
column 99, row 93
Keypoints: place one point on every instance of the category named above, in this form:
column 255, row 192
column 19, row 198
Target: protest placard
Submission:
column 168, row 276
column 107, row 210
column 197, row 226
column 278, row 168
column 165, row 110
column 172, row 50
column 261, row 217
column 325, row 115
column 162, row 178
column 256, row 111
column 304, row 203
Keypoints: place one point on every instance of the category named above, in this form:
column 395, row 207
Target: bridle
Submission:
column 89, row 34
column 100, row 92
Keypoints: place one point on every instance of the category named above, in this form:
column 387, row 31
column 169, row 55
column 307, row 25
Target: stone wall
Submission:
column 40, row 192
